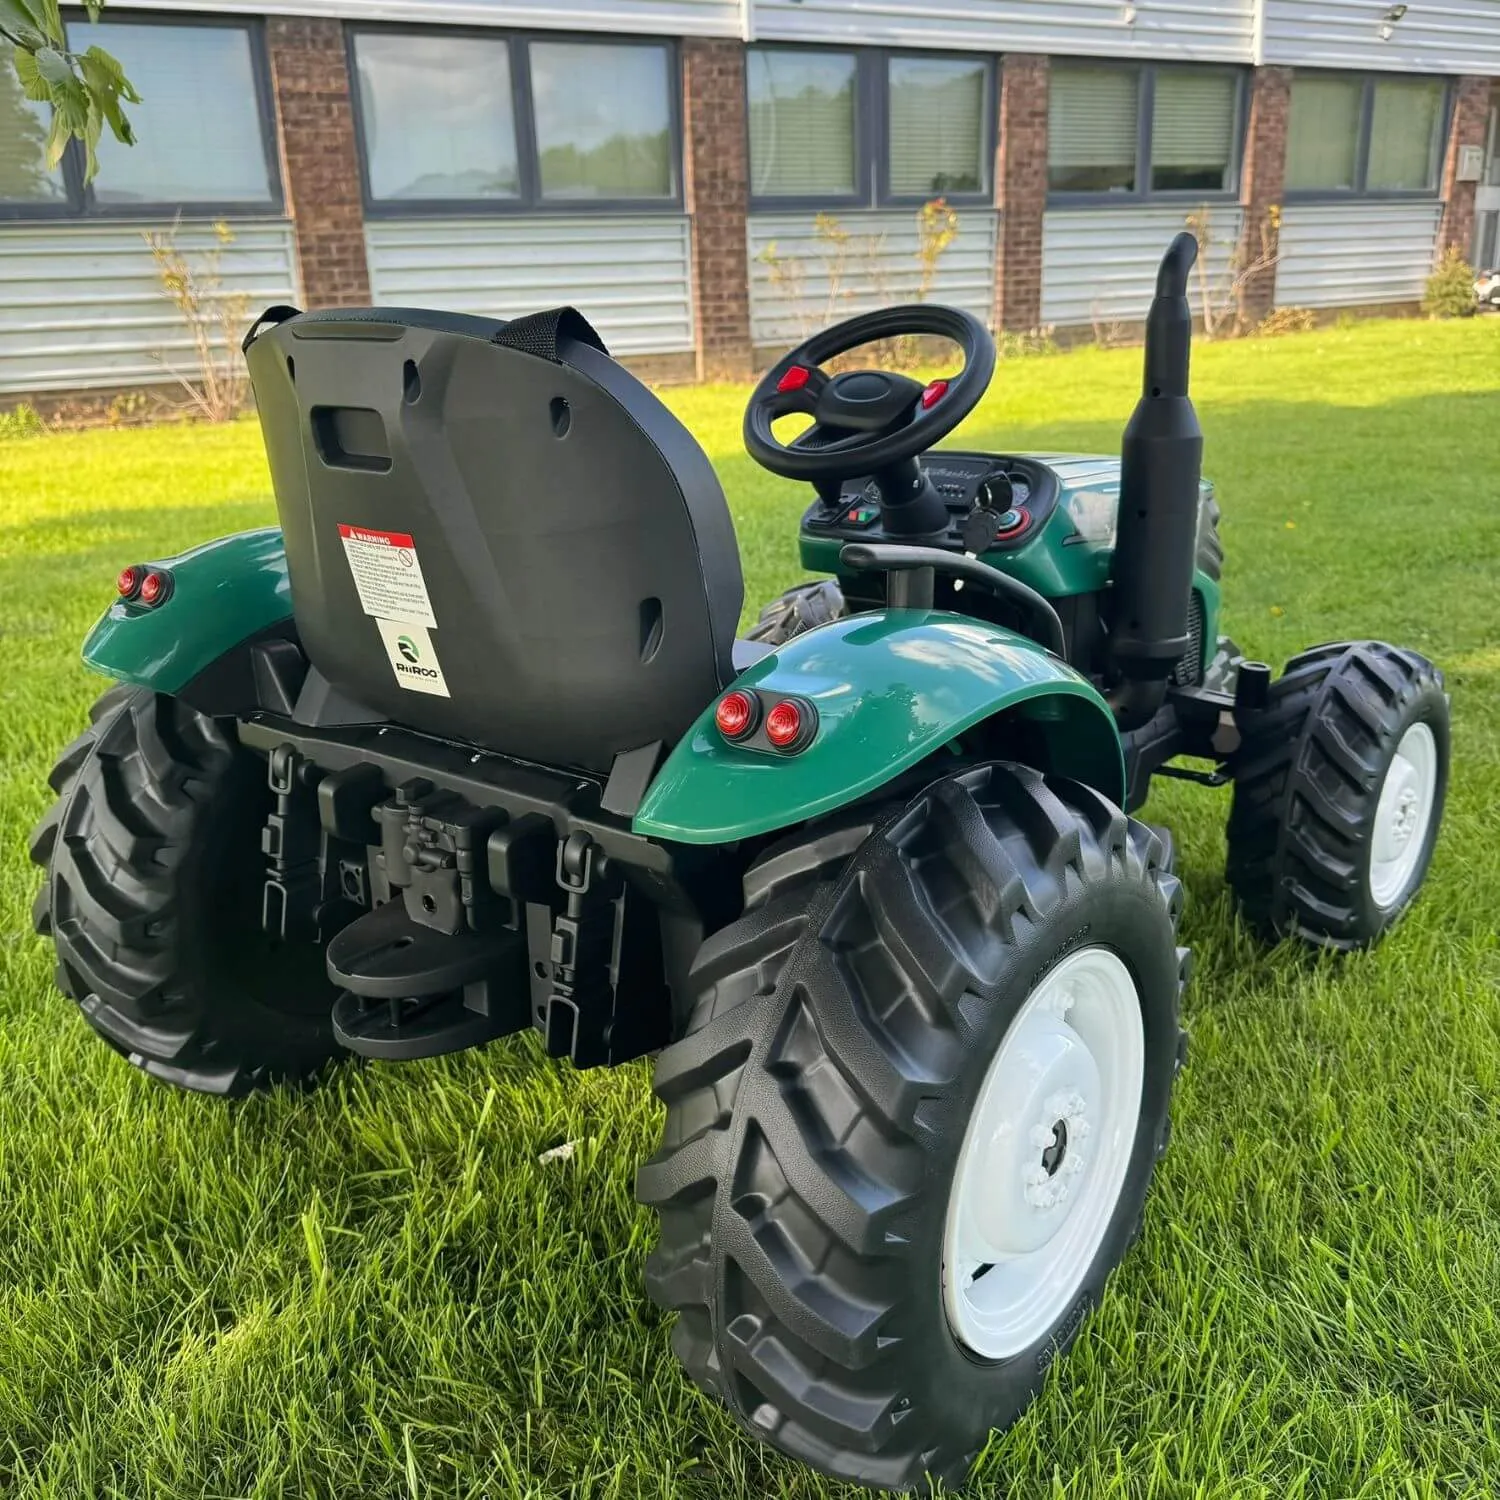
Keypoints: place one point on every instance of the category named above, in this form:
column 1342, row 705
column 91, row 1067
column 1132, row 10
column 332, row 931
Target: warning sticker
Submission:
column 388, row 575
column 413, row 657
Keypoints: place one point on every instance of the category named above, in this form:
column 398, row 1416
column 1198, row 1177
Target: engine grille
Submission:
column 1189, row 671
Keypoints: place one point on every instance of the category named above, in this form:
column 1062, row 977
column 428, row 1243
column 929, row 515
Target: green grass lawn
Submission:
column 377, row 1290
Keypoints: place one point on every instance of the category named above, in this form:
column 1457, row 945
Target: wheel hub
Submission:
column 1049, row 1182
column 1052, row 1157
column 1045, row 1155
column 1403, row 815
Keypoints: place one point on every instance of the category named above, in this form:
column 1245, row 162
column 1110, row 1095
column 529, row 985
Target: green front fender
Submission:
column 891, row 687
column 223, row 593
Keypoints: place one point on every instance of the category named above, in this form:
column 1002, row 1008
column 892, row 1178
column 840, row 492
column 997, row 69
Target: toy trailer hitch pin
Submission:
column 580, row 1009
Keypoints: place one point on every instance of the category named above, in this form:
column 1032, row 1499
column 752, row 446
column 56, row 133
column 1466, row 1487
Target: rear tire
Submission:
column 817, row 1113
column 1339, row 787
column 153, row 894
column 800, row 609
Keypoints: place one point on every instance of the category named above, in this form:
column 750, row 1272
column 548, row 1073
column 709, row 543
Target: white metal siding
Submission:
column 628, row 276
column 1099, row 264
column 880, row 268
column 82, row 306
column 658, row 17
column 1218, row 29
column 1355, row 254
column 1435, row 36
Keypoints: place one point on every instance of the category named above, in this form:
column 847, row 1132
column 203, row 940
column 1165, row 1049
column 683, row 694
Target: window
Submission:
column 1133, row 131
column 1403, row 135
column 1093, row 130
column 802, row 124
column 24, row 177
column 1322, row 143
column 202, row 141
column 462, row 121
column 1193, row 118
column 439, row 117
column 867, row 126
column 1350, row 134
column 937, row 135
column 197, row 128
column 603, row 129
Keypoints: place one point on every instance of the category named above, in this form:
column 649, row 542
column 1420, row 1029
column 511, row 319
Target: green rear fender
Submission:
column 223, row 593
column 891, row 687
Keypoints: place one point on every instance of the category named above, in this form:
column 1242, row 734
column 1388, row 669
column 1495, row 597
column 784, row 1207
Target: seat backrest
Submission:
column 494, row 531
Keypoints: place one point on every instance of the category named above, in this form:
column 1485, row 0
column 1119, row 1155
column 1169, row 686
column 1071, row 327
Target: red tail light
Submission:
column 736, row 714
column 156, row 587
column 129, row 582
column 785, row 726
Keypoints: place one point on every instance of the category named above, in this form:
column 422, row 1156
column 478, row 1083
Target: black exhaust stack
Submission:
column 1156, row 538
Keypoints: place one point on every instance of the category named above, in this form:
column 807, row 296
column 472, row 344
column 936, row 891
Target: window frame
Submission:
column 872, row 154
column 1145, row 125
column 81, row 203
column 1361, row 192
column 528, row 200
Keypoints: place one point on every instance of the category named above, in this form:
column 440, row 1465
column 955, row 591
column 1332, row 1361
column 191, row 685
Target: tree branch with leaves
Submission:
column 87, row 90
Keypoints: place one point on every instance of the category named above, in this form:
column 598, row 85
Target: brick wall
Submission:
column 1467, row 127
column 717, row 170
column 1262, row 184
column 310, row 75
column 1021, row 191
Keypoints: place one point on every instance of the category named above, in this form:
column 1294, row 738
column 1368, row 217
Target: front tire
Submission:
column 1339, row 787
column 153, row 897
column 816, row 1178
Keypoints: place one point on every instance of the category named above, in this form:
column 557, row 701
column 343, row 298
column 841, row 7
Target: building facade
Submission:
column 710, row 178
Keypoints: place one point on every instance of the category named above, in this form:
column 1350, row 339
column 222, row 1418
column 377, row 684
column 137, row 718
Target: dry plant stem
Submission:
column 216, row 386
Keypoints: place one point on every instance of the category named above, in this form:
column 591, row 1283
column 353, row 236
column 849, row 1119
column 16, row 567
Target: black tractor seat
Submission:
column 495, row 532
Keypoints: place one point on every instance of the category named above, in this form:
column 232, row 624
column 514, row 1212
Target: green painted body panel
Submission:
column 891, row 687
column 223, row 592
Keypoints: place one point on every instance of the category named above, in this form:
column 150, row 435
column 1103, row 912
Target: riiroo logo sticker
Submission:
column 413, row 657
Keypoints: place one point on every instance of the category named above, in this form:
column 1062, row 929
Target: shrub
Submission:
column 214, row 317
column 1287, row 320
column 1012, row 345
column 21, row 422
column 1450, row 288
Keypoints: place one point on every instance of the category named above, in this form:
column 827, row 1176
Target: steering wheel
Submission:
column 867, row 421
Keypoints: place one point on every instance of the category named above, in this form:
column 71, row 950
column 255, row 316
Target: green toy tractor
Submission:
column 467, row 745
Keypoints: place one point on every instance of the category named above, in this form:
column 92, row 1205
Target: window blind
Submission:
column 801, row 123
column 1403, row 134
column 1193, row 119
column 1323, row 134
column 1093, row 115
column 198, row 128
column 937, row 111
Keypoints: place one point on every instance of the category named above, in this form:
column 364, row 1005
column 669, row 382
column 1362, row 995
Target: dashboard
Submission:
column 996, row 502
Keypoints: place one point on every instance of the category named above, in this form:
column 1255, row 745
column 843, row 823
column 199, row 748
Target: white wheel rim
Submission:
column 1403, row 816
column 1045, row 1157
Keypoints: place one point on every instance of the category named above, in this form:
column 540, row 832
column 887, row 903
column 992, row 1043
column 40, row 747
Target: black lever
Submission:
column 888, row 558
